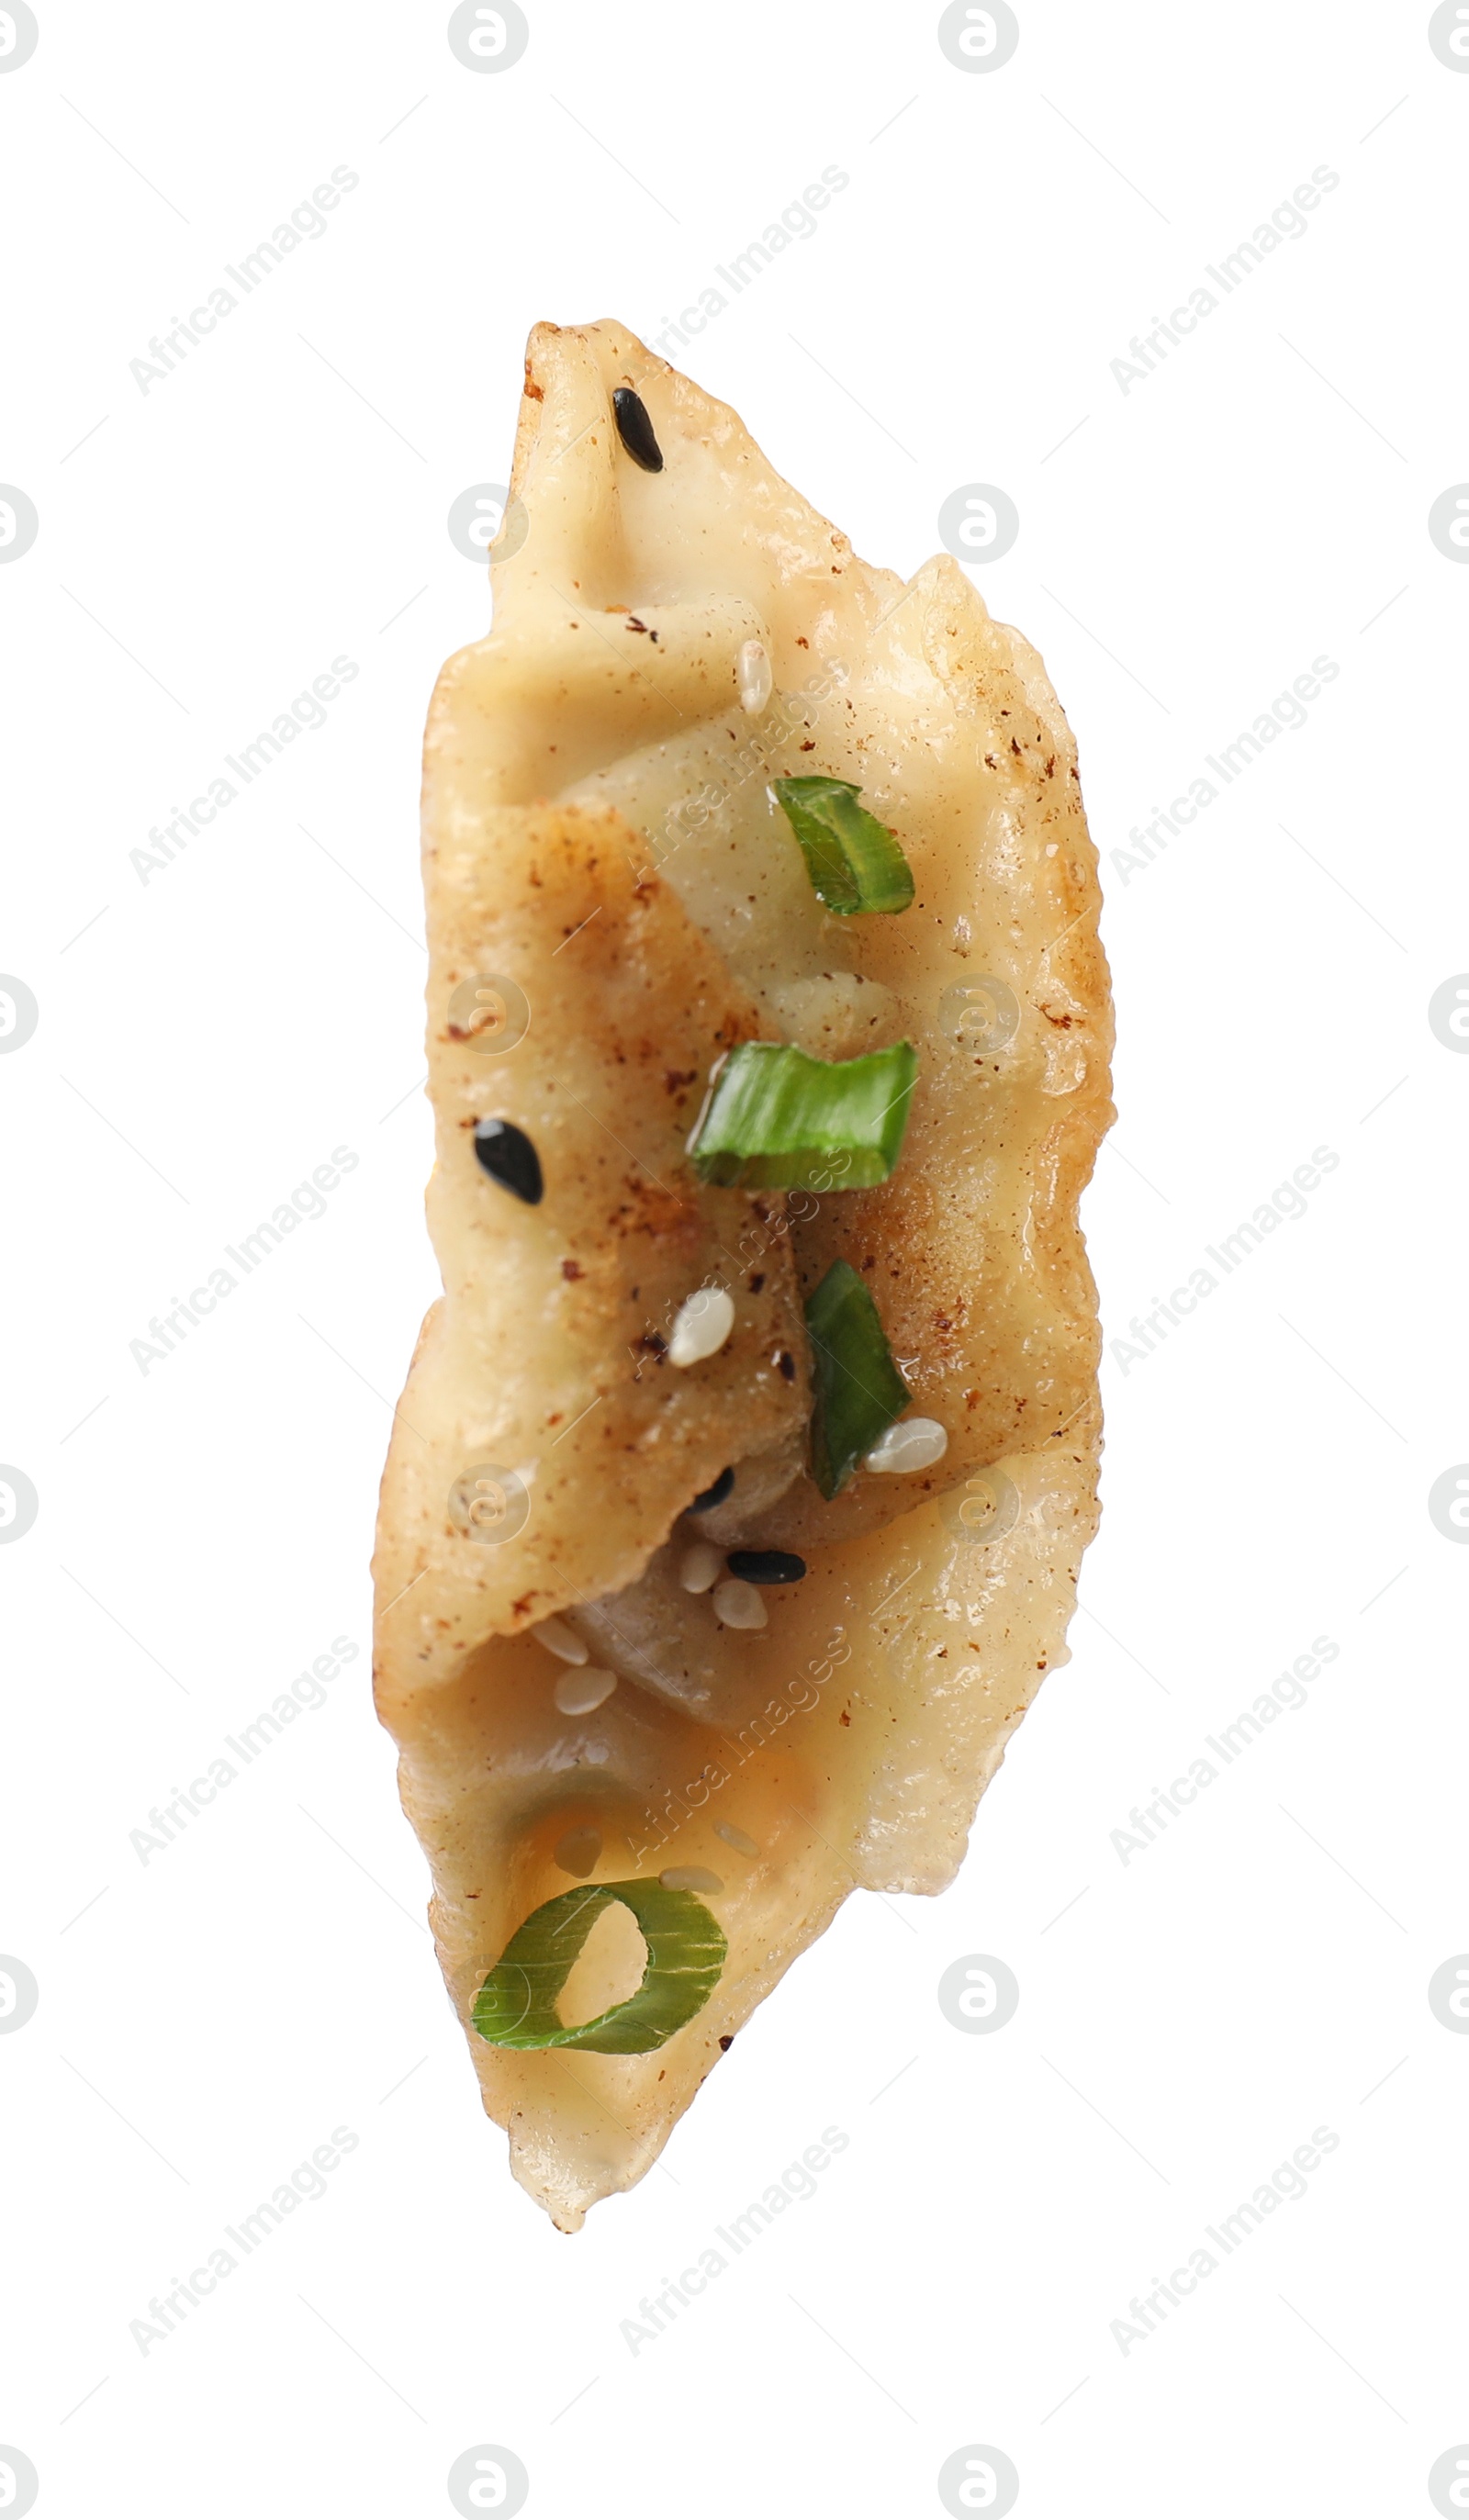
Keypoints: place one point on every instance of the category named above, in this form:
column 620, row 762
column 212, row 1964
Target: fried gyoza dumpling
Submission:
column 736, row 1499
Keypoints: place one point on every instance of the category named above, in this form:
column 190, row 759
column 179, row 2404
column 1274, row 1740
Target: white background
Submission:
column 206, row 1037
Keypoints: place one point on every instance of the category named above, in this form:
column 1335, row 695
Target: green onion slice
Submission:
column 776, row 1118
column 858, row 1389
column 853, row 860
column 516, row 2006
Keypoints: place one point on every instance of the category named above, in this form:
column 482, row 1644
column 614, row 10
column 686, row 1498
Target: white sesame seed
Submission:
column 559, row 1640
column 912, row 1444
column 690, row 1876
column 735, row 1837
column 738, row 1605
column 754, row 676
column 577, row 1692
column 579, row 1851
column 701, row 1326
column 698, row 1567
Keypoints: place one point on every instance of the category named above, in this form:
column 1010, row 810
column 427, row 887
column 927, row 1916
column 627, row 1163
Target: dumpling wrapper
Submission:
column 598, row 834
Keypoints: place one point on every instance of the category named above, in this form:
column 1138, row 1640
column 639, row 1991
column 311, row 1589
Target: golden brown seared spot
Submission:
column 946, row 720
column 547, row 1357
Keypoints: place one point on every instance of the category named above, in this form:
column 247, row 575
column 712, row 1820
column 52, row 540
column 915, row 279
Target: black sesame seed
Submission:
column 509, row 1159
column 786, row 1363
column 635, row 430
column 765, row 1565
column 711, row 1497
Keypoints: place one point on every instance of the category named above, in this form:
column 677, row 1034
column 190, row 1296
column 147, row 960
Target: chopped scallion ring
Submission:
column 516, row 2006
column 859, row 1389
column 776, row 1118
column 853, row 860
